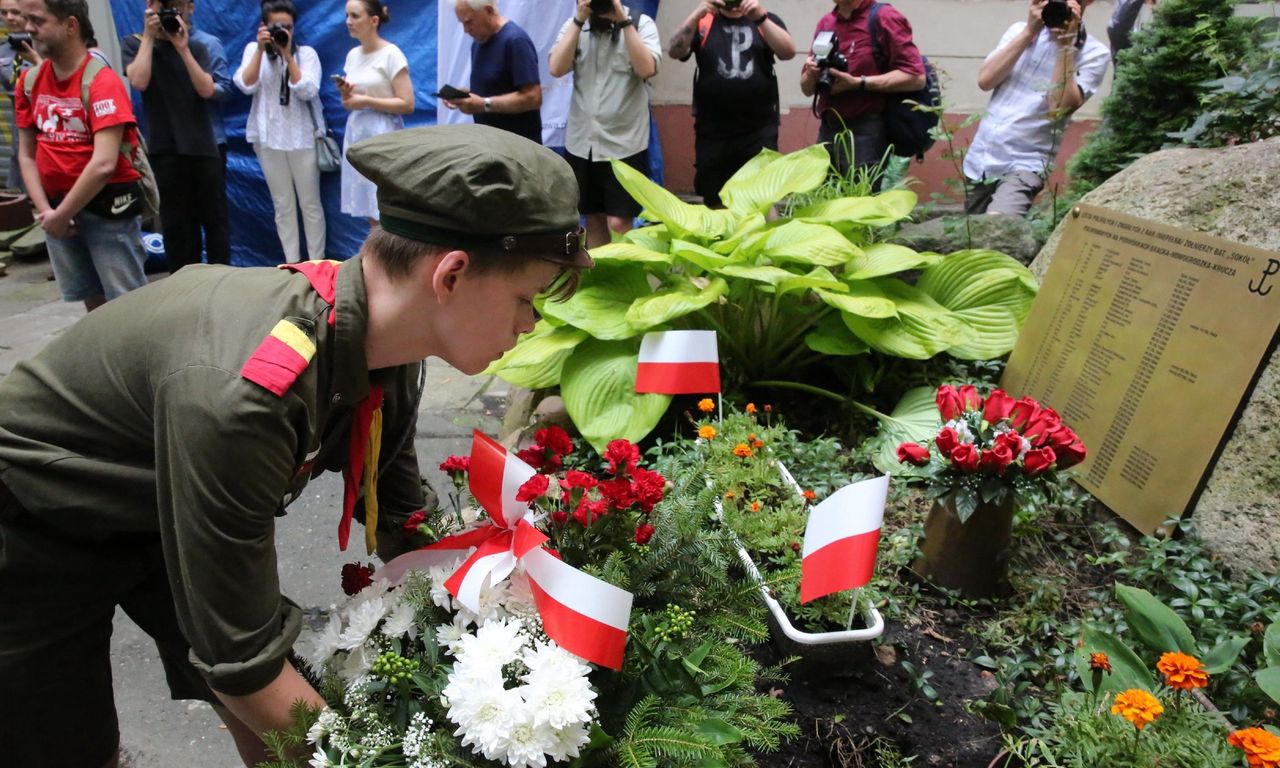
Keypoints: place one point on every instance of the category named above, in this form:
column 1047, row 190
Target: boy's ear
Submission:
column 448, row 268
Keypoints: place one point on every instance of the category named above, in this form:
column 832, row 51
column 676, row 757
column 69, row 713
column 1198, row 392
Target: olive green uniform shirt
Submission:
column 136, row 419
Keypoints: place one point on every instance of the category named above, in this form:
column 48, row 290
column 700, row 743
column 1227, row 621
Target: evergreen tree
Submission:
column 1157, row 85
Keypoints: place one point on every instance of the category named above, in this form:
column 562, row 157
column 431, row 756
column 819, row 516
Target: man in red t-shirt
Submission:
column 85, row 191
column 851, row 102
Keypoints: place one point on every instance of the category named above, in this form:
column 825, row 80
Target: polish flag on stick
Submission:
column 841, row 537
column 679, row 363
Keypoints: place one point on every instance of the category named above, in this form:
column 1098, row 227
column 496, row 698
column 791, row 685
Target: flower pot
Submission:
column 971, row 557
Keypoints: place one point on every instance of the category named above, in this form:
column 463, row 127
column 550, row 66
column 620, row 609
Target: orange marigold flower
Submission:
column 751, row 437
column 1182, row 672
column 757, row 444
column 751, row 408
column 1099, row 662
column 755, row 506
column 729, row 494
column 809, row 495
column 742, row 450
column 706, row 432
column 1138, row 707
column 1261, row 747
column 706, row 405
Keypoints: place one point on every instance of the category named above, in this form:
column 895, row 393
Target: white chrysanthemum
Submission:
column 401, row 621
column 519, row 597
column 483, row 714
column 560, row 702
column 357, row 664
column 362, row 620
column 497, row 643
column 450, row 635
column 439, row 595
column 319, row 759
column 325, row 643
column 527, row 742
column 566, row 742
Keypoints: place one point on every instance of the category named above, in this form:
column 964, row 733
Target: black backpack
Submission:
column 907, row 127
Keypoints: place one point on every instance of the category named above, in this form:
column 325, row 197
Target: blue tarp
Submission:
column 321, row 24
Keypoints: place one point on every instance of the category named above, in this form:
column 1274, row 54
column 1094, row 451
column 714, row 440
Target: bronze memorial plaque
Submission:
column 1145, row 338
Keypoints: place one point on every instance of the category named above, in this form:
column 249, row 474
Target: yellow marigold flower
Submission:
column 751, row 408
column 1261, row 747
column 1138, row 707
column 706, row 405
column 1182, row 672
column 755, row 506
column 742, row 450
column 1099, row 662
column 706, row 432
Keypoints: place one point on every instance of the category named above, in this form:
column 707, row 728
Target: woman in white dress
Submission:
column 284, row 121
column 377, row 91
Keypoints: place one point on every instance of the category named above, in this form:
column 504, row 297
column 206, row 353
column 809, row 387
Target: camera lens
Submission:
column 1056, row 14
column 169, row 21
column 279, row 35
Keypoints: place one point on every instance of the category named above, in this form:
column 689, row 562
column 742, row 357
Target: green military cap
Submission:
column 473, row 186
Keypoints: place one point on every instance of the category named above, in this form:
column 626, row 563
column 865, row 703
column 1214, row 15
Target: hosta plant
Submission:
column 785, row 295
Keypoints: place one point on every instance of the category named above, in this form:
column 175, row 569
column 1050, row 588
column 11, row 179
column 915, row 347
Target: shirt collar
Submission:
column 351, row 308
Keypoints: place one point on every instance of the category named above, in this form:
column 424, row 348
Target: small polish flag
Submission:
column 841, row 537
column 679, row 363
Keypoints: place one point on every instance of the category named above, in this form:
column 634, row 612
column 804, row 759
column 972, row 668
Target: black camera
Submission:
column 279, row 35
column 171, row 20
column 1056, row 14
column 601, row 7
column 826, row 51
column 731, row 4
column 18, row 40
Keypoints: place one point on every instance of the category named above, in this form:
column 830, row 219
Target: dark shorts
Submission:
column 599, row 189
column 58, row 595
column 717, row 159
column 857, row 143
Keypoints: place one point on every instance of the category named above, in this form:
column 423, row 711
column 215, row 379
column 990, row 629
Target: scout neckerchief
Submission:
column 366, row 427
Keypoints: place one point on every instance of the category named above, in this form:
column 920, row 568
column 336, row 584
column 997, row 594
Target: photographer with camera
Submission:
column 284, row 80
column 17, row 55
column 735, row 88
column 1043, row 69
column 176, row 75
column 612, row 54
column 850, row 88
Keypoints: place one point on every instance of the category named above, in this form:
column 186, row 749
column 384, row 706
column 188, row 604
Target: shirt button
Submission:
column 337, row 398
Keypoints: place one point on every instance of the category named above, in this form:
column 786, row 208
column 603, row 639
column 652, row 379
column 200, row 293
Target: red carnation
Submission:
column 456, row 465
column 1011, row 440
column 965, row 457
column 946, row 440
column 1070, row 455
column 997, row 459
column 589, row 511
column 644, row 532
column 559, row 517
column 415, row 520
column 1022, row 413
column 356, row 577
column 970, row 400
column 913, row 452
column 1038, row 460
column 997, row 406
column 948, row 400
column 554, row 439
column 534, row 456
column 576, row 478
column 648, row 488
column 622, row 456
column 618, row 492
column 532, row 489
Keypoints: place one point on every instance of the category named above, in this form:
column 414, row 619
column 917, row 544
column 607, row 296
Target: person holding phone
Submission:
column 17, row 55
column 506, row 89
column 376, row 89
column 284, row 80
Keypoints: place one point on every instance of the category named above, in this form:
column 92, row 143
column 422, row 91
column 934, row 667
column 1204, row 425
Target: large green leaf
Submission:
column 1222, row 656
column 1269, row 681
column 1155, row 623
column 625, row 251
column 765, row 274
column 818, row 277
column 1271, row 644
column 682, row 219
column 598, row 385
column 535, row 362
column 863, row 298
column 1127, row 670
column 989, row 291
column 915, row 419
column 683, row 297
column 832, row 337
column 601, row 303
column 815, row 244
column 898, row 201
column 867, row 211
column 921, row 329
column 757, row 186
column 743, row 228
column 701, row 257
column 655, row 237
column 882, row 259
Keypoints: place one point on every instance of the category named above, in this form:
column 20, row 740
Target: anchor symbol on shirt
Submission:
column 1273, row 266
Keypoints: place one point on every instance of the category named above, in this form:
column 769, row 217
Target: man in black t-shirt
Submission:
column 506, row 90
column 173, row 73
column 735, row 90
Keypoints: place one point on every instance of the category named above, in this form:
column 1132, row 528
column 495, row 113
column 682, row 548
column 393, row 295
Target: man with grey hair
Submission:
column 506, row 91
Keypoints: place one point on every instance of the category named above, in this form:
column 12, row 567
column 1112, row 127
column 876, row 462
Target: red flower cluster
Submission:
column 456, row 465
column 1000, row 432
column 356, row 577
column 550, row 446
column 415, row 520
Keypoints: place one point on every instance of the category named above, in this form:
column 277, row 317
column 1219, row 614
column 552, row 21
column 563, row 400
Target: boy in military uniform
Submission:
column 146, row 452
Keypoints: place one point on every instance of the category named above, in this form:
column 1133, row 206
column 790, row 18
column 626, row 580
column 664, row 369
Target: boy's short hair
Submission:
column 77, row 9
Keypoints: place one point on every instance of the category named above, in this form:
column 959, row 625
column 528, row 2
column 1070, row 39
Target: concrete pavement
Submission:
column 155, row 731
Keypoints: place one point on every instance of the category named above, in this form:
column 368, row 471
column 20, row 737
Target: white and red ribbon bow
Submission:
column 582, row 614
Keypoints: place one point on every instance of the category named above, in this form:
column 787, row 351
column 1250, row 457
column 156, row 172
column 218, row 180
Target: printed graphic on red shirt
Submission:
column 64, row 130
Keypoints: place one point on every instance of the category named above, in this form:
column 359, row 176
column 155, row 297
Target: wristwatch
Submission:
column 488, row 104
column 624, row 23
column 862, row 84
